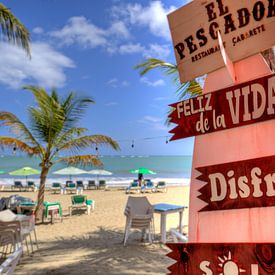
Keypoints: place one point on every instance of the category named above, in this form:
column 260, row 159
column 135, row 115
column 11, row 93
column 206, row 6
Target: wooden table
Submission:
column 164, row 209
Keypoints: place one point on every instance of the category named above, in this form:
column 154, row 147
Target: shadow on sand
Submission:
column 100, row 252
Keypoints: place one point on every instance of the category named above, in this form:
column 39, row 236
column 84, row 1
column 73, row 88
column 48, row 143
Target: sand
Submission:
column 83, row 244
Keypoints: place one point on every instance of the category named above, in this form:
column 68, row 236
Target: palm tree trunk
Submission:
column 40, row 198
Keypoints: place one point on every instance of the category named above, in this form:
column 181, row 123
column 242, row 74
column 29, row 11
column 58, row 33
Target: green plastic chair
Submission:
column 81, row 202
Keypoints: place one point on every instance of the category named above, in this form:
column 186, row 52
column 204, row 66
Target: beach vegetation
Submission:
column 12, row 30
column 184, row 90
column 53, row 134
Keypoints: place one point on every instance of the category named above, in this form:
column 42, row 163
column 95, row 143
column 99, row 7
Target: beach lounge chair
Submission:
column 56, row 188
column 91, row 185
column 148, row 186
column 102, row 184
column 18, row 185
column 79, row 184
column 133, row 187
column 70, row 187
column 31, row 186
column 139, row 215
column 161, row 186
column 81, row 202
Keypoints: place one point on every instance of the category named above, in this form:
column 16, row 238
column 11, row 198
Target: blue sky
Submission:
column 91, row 47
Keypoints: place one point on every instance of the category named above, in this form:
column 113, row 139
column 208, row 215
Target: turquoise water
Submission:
column 174, row 169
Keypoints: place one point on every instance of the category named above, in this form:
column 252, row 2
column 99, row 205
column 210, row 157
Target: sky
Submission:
column 91, row 48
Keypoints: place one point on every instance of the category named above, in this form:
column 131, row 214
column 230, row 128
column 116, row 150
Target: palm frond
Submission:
column 153, row 63
column 74, row 108
column 82, row 160
column 18, row 127
column 47, row 119
column 184, row 90
column 14, row 30
column 189, row 89
column 18, row 144
column 69, row 135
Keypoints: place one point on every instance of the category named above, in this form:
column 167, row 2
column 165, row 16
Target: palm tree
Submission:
column 53, row 129
column 13, row 30
column 188, row 89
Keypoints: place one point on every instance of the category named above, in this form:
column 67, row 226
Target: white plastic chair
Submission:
column 27, row 226
column 10, row 246
column 139, row 215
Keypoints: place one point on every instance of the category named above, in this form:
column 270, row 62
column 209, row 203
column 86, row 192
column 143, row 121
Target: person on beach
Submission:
column 140, row 180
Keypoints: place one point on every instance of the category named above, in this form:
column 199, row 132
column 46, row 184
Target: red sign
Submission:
column 222, row 258
column 239, row 105
column 240, row 184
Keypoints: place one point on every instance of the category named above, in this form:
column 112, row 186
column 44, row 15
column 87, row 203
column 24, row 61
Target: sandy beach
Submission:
column 83, row 244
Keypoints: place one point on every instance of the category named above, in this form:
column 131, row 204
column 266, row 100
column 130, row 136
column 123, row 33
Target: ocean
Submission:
column 175, row 170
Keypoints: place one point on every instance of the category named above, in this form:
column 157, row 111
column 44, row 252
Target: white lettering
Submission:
column 204, row 266
column 244, row 188
column 270, row 180
column 215, row 179
column 271, row 95
column 258, row 91
column 234, row 111
column 256, row 171
column 246, row 92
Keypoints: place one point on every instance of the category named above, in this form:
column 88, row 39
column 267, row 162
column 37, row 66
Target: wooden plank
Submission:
column 247, row 27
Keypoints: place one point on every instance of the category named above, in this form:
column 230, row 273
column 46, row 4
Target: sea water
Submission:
column 175, row 170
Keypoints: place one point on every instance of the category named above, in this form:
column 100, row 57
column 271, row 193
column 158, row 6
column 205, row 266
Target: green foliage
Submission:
column 53, row 128
column 13, row 30
column 184, row 90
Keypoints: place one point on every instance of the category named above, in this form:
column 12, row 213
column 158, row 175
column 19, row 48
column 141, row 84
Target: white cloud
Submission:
column 152, row 119
column 114, row 82
column 111, row 104
column 80, row 31
column 157, row 51
column 119, row 29
column 159, row 82
column 45, row 68
column 131, row 48
column 153, row 122
column 153, row 16
column 153, row 50
column 125, row 83
column 38, row 30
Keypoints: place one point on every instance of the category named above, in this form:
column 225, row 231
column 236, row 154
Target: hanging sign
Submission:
column 239, row 105
column 223, row 259
column 240, row 184
column 247, row 27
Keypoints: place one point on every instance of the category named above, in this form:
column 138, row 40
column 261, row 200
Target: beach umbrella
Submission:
column 142, row 170
column 99, row 172
column 70, row 170
column 25, row 171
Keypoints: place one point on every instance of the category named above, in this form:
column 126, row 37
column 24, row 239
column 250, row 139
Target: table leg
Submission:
column 180, row 221
column 163, row 227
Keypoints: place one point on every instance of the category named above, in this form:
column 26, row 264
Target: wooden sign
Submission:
column 247, row 27
column 239, row 105
column 240, row 184
column 222, row 258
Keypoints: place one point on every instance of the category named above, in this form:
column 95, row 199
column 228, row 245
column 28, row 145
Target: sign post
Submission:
column 232, row 190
